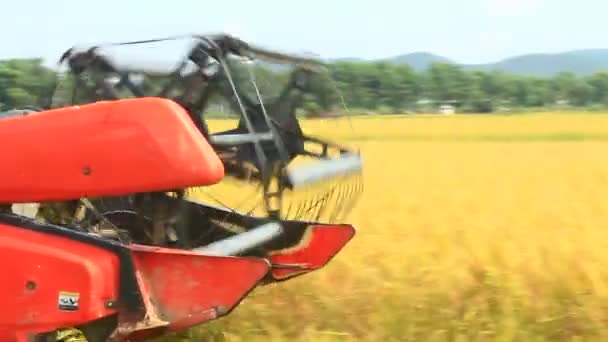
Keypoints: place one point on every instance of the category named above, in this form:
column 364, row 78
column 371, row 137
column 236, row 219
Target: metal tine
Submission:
column 346, row 196
column 360, row 190
column 341, row 196
column 352, row 195
column 297, row 205
column 311, row 202
column 232, row 211
column 315, row 203
column 350, row 203
column 320, row 204
column 324, row 201
column 359, row 187
column 334, row 195
column 289, row 208
column 301, row 207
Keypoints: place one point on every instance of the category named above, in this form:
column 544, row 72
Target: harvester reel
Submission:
column 259, row 151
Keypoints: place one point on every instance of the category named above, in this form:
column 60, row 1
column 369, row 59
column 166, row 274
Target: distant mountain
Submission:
column 419, row 60
column 580, row 62
column 347, row 59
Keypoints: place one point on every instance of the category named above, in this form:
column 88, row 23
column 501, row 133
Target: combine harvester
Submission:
column 114, row 247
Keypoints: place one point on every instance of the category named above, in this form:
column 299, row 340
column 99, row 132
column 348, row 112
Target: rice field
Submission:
column 471, row 228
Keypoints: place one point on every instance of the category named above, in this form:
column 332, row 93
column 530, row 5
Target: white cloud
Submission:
column 511, row 8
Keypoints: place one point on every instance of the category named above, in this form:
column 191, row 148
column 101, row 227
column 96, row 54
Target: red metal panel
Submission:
column 187, row 289
column 103, row 148
column 318, row 246
column 38, row 269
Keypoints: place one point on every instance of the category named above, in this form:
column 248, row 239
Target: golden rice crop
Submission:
column 470, row 228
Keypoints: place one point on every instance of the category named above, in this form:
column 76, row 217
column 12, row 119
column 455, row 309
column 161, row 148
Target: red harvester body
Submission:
column 58, row 277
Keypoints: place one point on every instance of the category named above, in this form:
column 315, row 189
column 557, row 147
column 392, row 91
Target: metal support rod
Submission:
column 243, row 242
column 325, row 169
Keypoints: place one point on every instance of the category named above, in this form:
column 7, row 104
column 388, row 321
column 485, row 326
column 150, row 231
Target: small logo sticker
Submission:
column 68, row 301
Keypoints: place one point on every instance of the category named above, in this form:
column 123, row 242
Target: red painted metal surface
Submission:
column 187, row 289
column 318, row 246
column 37, row 268
column 180, row 289
column 103, row 148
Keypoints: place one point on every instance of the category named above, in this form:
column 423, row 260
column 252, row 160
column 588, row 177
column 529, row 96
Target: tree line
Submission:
column 398, row 88
column 372, row 86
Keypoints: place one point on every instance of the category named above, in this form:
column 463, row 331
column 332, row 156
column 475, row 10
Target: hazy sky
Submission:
column 465, row 30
